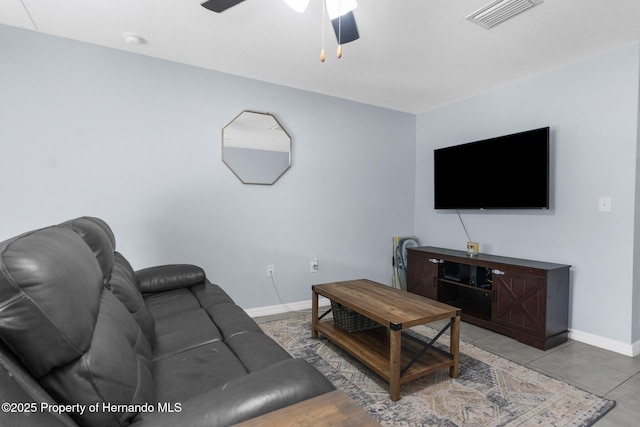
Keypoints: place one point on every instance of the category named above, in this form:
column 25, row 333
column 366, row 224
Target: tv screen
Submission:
column 507, row 172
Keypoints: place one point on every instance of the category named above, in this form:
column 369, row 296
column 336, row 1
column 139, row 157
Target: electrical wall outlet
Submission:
column 270, row 269
column 313, row 265
column 604, row 204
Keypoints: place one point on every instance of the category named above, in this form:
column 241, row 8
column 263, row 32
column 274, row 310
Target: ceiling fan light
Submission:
column 298, row 5
column 337, row 8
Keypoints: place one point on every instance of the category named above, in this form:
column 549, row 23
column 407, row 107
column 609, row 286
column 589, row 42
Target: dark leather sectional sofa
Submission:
column 87, row 341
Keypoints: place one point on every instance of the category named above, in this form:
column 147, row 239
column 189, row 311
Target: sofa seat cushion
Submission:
column 193, row 372
column 232, row 320
column 281, row 384
column 169, row 303
column 256, row 351
column 183, row 331
column 209, row 294
column 205, row 295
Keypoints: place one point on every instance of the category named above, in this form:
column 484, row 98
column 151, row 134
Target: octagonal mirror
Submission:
column 256, row 148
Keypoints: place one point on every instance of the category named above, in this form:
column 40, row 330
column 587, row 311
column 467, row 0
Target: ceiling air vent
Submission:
column 499, row 11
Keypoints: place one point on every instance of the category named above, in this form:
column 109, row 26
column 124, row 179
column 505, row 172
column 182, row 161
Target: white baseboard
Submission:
column 283, row 308
column 606, row 343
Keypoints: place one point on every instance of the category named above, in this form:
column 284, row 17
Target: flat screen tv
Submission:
column 507, row 172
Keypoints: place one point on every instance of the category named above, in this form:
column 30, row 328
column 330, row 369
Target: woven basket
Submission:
column 349, row 320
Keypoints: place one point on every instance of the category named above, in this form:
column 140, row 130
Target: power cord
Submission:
column 275, row 287
column 465, row 228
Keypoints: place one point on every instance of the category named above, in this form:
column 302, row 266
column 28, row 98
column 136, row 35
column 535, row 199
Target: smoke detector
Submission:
column 133, row 39
column 499, row 11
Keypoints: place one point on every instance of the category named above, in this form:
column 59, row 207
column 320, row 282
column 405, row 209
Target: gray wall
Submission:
column 86, row 130
column 592, row 109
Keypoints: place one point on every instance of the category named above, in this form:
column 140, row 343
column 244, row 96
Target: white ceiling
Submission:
column 412, row 55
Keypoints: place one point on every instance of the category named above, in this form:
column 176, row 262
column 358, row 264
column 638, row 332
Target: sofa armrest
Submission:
column 277, row 386
column 171, row 276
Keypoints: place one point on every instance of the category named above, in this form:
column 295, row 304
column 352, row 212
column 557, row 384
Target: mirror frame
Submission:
column 244, row 181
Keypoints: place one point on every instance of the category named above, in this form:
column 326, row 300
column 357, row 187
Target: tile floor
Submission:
column 602, row 372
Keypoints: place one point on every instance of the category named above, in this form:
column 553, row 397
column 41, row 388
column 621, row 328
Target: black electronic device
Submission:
column 506, row 172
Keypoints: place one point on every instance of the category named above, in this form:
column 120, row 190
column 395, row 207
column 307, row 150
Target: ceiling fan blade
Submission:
column 345, row 28
column 220, row 5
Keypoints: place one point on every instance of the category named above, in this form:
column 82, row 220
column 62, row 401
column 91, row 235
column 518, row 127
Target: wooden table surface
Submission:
column 384, row 304
column 335, row 408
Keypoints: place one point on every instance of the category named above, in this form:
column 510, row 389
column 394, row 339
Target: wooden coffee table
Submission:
column 396, row 356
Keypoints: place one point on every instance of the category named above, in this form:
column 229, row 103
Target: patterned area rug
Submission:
column 491, row 390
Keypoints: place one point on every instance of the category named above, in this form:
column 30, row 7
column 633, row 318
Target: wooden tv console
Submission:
column 526, row 300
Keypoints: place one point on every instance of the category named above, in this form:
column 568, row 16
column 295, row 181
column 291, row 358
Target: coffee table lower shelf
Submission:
column 372, row 348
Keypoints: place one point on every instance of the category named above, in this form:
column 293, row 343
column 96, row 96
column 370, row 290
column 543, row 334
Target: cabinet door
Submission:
column 421, row 275
column 519, row 301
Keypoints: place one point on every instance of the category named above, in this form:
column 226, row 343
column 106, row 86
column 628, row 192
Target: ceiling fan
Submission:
column 340, row 13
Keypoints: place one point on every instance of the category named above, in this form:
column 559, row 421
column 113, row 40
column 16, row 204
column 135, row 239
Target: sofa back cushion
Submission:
column 49, row 297
column 68, row 330
column 117, row 273
column 124, row 285
column 99, row 237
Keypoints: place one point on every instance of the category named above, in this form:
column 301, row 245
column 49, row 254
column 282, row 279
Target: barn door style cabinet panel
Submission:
column 526, row 300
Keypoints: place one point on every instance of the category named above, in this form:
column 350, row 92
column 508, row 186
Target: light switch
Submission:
column 604, row 204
